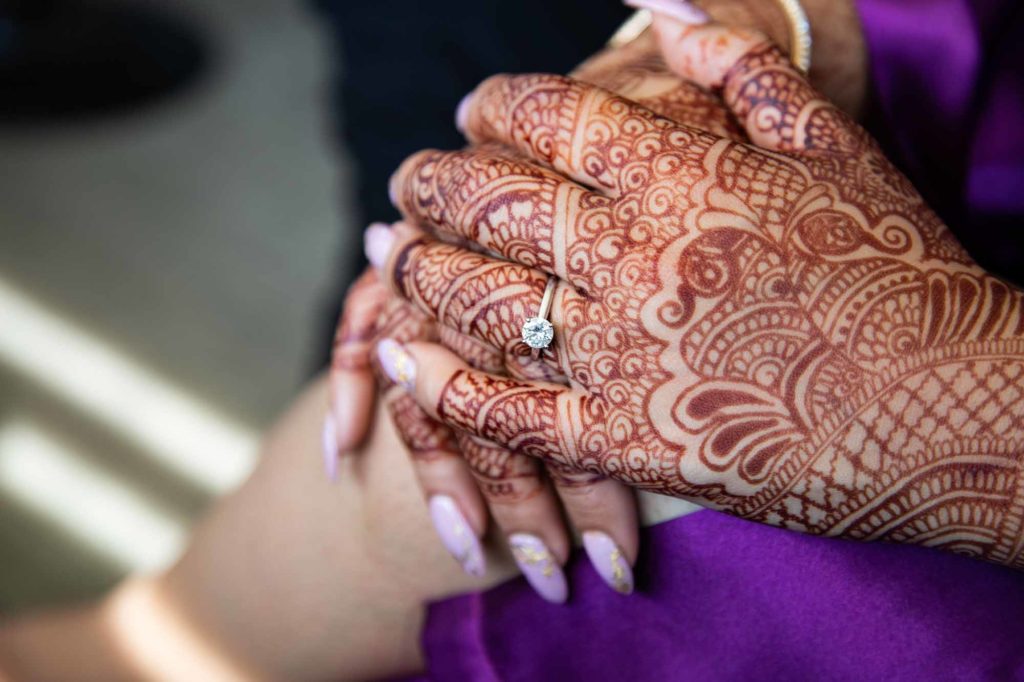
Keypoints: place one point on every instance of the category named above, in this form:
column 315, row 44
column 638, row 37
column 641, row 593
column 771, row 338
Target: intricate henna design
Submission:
column 636, row 70
column 479, row 297
column 786, row 333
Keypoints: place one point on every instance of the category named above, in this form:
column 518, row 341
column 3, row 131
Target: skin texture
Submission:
column 782, row 330
column 288, row 578
column 839, row 56
column 517, row 489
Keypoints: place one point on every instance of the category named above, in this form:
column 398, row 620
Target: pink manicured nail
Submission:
column 377, row 242
column 329, row 441
column 392, row 192
column 609, row 561
column 540, row 567
column 397, row 363
column 676, row 9
column 456, row 534
column 462, row 113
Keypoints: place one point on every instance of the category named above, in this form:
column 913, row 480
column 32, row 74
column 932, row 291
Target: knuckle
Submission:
column 502, row 476
column 578, row 484
column 477, row 354
column 412, row 170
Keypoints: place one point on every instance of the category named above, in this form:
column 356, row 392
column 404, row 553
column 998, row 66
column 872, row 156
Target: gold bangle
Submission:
column 799, row 34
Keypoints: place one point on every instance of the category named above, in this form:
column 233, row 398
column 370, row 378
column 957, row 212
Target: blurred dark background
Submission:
column 171, row 214
column 183, row 187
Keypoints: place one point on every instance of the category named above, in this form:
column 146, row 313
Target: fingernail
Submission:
column 609, row 561
column 456, row 534
column 329, row 441
column 397, row 363
column 392, row 191
column 462, row 113
column 677, row 9
column 377, row 242
column 539, row 566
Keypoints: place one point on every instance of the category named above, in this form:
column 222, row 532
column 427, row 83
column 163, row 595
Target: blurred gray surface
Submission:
column 197, row 237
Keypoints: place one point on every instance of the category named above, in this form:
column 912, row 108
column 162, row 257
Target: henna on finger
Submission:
column 478, row 297
column 506, row 206
column 581, row 130
column 784, row 332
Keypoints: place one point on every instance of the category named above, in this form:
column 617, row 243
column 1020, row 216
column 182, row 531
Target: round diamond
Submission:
column 538, row 333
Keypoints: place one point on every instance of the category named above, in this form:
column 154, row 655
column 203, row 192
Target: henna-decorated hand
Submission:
column 782, row 330
column 513, row 485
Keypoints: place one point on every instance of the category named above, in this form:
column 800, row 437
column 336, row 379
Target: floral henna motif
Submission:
column 790, row 335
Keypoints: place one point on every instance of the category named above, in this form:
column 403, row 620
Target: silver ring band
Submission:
column 537, row 331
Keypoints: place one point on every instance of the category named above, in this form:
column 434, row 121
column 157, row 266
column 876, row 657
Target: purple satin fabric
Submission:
column 948, row 96
column 720, row 598
column 724, row 599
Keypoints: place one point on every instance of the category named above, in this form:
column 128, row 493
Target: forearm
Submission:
column 307, row 579
column 138, row 632
column 62, row 645
column 291, row 577
column 252, row 591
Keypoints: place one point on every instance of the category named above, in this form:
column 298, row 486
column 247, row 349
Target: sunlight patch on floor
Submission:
column 50, row 479
column 164, row 422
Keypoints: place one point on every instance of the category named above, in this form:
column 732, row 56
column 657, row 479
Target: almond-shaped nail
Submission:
column 397, row 363
column 329, row 441
column 392, row 190
column 462, row 113
column 609, row 561
column 377, row 242
column 540, row 567
column 681, row 10
column 457, row 535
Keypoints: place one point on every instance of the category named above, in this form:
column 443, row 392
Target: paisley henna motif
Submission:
column 782, row 331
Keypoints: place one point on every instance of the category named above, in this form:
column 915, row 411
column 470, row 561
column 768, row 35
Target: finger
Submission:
column 636, row 70
column 604, row 510
column 524, row 417
column 456, row 507
column 508, row 207
column 526, row 509
column 351, row 379
column 478, row 296
column 480, row 355
column 605, row 513
column 521, row 501
column 529, row 417
column 770, row 97
column 582, row 131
